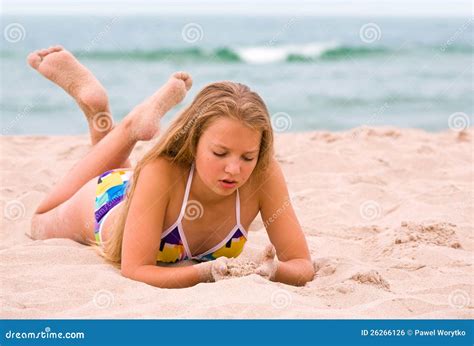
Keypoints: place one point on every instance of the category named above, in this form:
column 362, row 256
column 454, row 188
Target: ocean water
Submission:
column 314, row 73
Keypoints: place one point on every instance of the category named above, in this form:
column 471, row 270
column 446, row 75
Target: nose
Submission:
column 232, row 168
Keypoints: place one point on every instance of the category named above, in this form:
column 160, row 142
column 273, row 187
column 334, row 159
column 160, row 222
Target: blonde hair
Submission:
column 179, row 143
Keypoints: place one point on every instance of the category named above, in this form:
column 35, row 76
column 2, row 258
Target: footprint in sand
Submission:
column 371, row 277
column 323, row 267
column 436, row 233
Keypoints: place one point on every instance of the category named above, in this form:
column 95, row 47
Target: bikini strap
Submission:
column 237, row 207
column 186, row 193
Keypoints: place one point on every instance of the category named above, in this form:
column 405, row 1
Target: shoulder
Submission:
column 162, row 172
column 164, row 167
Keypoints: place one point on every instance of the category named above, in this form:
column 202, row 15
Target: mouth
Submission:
column 228, row 183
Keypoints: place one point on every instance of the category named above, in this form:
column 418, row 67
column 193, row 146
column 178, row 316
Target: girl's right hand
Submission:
column 213, row 271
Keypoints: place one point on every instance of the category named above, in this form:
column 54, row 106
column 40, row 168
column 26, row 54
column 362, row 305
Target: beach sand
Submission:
column 388, row 215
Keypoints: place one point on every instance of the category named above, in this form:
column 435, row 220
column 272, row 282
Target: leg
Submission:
column 108, row 154
column 73, row 219
column 114, row 149
column 68, row 211
column 63, row 69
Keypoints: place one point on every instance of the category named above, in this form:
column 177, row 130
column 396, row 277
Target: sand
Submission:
column 388, row 215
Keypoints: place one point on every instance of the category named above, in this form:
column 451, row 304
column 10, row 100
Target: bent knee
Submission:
column 73, row 219
column 61, row 222
column 41, row 226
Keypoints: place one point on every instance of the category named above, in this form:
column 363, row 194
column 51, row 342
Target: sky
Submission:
column 360, row 8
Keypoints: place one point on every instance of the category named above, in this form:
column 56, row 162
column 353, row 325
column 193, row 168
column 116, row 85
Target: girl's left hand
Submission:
column 268, row 263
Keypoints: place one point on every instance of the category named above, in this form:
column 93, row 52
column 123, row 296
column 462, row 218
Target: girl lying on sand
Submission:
column 191, row 197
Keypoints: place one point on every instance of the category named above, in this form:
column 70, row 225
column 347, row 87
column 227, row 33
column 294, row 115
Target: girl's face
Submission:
column 227, row 150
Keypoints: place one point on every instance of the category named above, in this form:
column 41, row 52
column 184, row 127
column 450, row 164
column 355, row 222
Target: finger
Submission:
column 220, row 268
column 262, row 271
column 269, row 252
column 222, row 259
column 221, row 265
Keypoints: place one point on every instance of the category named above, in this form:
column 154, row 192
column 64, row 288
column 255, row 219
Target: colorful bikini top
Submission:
column 174, row 247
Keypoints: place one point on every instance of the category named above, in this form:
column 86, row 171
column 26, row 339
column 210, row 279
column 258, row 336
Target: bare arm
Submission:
column 296, row 272
column 172, row 277
column 143, row 229
column 294, row 265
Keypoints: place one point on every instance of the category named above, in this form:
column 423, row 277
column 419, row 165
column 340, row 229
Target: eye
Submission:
column 219, row 154
column 248, row 159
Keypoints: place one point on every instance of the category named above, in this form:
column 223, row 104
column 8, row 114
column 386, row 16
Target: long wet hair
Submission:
column 179, row 142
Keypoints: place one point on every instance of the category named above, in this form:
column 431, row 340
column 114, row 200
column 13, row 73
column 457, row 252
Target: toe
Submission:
column 179, row 75
column 188, row 82
column 185, row 77
column 56, row 48
column 43, row 52
column 34, row 60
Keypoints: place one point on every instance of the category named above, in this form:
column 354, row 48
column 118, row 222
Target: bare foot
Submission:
column 62, row 68
column 145, row 118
